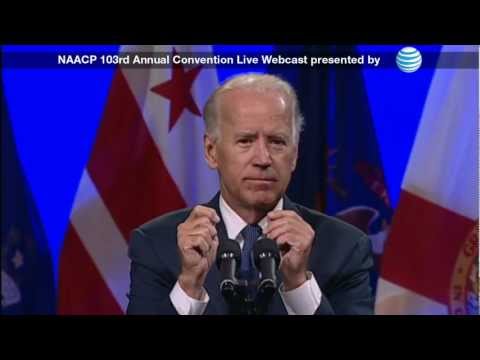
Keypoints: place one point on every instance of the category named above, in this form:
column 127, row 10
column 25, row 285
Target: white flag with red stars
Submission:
column 430, row 263
column 147, row 160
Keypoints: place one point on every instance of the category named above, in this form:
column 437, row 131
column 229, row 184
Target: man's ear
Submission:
column 295, row 157
column 210, row 150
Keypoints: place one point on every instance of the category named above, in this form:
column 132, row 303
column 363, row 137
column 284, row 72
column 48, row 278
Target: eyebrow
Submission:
column 254, row 134
column 280, row 135
column 246, row 134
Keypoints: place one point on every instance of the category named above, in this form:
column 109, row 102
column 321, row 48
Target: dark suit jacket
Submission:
column 340, row 260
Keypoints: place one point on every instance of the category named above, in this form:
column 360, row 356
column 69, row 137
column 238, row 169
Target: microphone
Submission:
column 228, row 259
column 267, row 259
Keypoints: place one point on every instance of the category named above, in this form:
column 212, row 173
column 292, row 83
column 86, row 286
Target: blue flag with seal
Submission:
column 339, row 169
column 27, row 272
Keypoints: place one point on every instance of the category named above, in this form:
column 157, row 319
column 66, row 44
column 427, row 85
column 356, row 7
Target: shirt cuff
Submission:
column 305, row 299
column 186, row 305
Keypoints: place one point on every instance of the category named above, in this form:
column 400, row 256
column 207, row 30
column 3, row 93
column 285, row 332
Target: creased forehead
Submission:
column 244, row 103
column 259, row 83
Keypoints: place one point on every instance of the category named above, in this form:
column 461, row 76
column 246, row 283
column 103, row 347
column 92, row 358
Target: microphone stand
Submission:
column 264, row 296
column 236, row 292
column 239, row 300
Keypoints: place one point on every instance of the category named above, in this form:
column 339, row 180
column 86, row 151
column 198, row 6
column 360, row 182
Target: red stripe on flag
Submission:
column 82, row 289
column 423, row 246
column 126, row 166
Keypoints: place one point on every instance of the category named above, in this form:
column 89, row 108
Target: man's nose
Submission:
column 262, row 154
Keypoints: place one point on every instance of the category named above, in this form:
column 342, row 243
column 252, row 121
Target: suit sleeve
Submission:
column 150, row 281
column 351, row 293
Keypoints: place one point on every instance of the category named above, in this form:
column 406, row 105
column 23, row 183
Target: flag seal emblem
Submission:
column 464, row 290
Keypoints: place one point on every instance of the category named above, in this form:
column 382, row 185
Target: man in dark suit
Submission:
column 253, row 125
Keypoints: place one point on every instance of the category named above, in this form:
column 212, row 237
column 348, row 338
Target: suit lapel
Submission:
column 290, row 205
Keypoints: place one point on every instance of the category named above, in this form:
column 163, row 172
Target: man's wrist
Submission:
column 192, row 286
column 293, row 282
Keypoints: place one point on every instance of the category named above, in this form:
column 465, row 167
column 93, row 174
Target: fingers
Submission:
column 200, row 211
column 289, row 230
column 199, row 244
column 203, row 223
column 283, row 244
column 205, row 233
column 200, row 223
column 283, row 221
column 278, row 227
column 200, row 240
column 213, row 250
column 277, row 214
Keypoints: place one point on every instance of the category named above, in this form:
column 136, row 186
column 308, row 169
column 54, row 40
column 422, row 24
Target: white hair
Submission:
column 260, row 82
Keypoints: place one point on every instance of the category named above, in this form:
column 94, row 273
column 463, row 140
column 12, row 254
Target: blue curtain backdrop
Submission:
column 27, row 272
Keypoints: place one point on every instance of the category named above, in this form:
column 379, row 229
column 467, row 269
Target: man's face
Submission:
column 255, row 153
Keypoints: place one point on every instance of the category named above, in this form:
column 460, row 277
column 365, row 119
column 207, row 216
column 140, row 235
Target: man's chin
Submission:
column 264, row 200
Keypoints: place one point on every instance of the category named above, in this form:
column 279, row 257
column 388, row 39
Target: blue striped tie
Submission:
column 250, row 234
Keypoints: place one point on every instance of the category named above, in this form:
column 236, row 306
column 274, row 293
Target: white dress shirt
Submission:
column 303, row 300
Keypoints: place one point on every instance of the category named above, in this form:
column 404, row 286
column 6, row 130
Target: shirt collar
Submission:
column 234, row 223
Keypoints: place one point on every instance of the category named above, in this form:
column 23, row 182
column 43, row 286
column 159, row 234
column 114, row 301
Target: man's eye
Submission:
column 278, row 142
column 245, row 141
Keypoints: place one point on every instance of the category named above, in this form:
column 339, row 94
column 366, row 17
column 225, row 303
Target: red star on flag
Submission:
column 178, row 91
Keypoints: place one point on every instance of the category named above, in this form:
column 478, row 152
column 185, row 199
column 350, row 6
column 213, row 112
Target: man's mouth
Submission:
column 261, row 180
